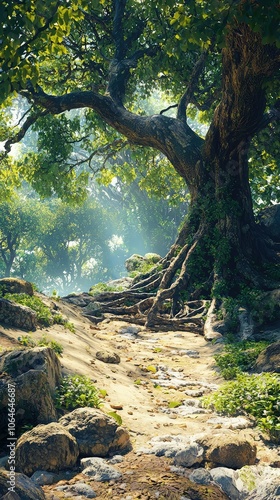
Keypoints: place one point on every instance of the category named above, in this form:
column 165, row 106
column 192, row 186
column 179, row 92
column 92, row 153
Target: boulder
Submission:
column 16, row 315
column 18, row 362
column 190, row 455
column 121, row 283
column 46, row 447
column 269, row 359
column 34, row 373
column 15, row 285
column 24, row 489
column 227, row 479
column 97, row 434
column 269, row 219
column 134, row 262
column 228, row 450
column 152, row 257
column 34, row 401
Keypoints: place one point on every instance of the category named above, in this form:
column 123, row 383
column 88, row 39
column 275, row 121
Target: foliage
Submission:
column 144, row 267
column 115, row 416
column 20, row 223
column 60, row 48
column 253, row 395
column 174, row 404
column 44, row 341
column 238, row 357
column 76, row 391
column 44, row 314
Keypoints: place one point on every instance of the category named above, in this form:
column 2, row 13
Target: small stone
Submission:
column 108, row 357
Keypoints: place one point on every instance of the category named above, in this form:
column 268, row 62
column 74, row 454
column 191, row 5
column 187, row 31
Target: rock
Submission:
column 246, row 324
column 226, row 479
column 269, row 359
column 24, row 489
column 261, row 482
column 123, row 283
column 228, row 450
column 46, row 447
column 34, row 401
column 16, row 363
column 97, row 434
column 200, row 476
column 152, row 257
column 18, row 316
column 79, row 488
column 99, row 470
column 134, row 262
column 130, row 330
column 42, row 477
column 34, row 373
column 108, row 357
column 15, row 285
column 92, row 309
column 184, row 451
column 268, row 490
column 231, row 422
column 80, row 299
column 190, row 455
column 269, row 219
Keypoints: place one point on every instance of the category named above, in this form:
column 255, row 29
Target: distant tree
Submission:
column 20, row 224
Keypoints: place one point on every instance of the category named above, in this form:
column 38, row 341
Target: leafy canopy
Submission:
column 73, row 45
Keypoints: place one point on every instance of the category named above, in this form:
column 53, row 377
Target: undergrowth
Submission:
column 43, row 312
column 44, row 341
column 239, row 357
column 76, row 391
column 256, row 395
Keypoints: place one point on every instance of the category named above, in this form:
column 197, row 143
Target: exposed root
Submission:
column 157, row 299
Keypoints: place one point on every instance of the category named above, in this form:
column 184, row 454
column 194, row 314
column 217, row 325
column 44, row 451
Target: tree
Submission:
column 20, row 223
column 217, row 58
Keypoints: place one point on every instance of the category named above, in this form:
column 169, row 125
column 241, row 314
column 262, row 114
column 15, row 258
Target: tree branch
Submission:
column 181, row 145
column 31, row 119
column 192, row 85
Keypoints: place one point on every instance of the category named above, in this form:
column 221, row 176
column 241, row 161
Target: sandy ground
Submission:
column 131, row 385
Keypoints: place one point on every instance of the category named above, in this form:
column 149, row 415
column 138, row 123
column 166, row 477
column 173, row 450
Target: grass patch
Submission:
column 44, row 341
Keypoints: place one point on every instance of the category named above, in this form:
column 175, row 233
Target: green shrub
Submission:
column 27, row 341
column 45, row 341
column 44, row 314
column 76, row 391
column 238, row 357
column 254, row 395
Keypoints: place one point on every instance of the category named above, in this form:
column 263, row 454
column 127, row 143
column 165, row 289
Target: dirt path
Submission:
column 156, row 370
